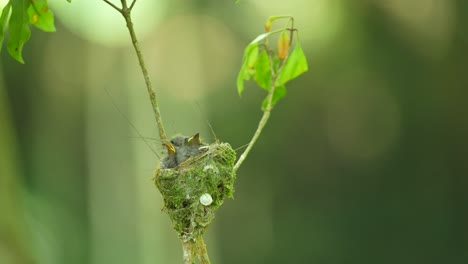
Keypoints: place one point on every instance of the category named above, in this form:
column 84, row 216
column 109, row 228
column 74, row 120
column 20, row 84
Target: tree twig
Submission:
column 113, row 6
column 202, row 253
column 131, row 5
column 126, row 13
column 188, row 250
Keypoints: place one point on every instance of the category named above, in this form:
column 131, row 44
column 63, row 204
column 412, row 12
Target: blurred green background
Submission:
column 364, row 161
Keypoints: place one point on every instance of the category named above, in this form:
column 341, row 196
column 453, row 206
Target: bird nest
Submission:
column 194, row 189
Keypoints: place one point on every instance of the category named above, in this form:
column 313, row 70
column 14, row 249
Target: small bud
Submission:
column 206, row 199
column 268, row 25
column 283, row 45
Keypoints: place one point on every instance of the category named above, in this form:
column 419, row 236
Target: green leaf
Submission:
column 295, row 65
column 280, row 92
column 19, row 28
column 263, row 70
column 252, row 55
column 249, row 60
column 240, row 81
column 248, row 64
column 3, row 22
column 40, row 16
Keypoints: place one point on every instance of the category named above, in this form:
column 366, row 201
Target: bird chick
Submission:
column 186, row 147
column 170, row 161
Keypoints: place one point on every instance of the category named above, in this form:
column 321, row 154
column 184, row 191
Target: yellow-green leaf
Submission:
column 295, row 65
column 18, row 28
column 3, row 22
column 252, row 55
column 263, row 70
column 279, row 93
column 248, row 66
column 41, row 16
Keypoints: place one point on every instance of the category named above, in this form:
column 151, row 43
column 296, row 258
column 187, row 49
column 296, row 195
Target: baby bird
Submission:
column 180, row 149
column 186, row 147
column 170, row 161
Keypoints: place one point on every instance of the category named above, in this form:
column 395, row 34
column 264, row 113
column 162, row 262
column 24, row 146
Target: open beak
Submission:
column 195, row 139
column 170, row 149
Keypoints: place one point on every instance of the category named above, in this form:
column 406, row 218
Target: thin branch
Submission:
column 131, row 6
column 267, row 111
column 125, row 11
column 202, row 253
column 188, row 250
column 124, row 4
column 113, row 6
column 261, row 125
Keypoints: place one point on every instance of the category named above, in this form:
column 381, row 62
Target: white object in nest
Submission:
column 206, row 199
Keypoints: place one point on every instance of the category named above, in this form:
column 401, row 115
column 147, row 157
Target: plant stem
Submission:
column 194, row 248
column 149, row 86
column 113, row 6
column 269, row 107
column 202, row 253
column 261, row 125
column 263, row 120
column 126, row 13
column 188, row 248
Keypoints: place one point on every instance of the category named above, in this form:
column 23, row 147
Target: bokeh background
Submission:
column 364, row 161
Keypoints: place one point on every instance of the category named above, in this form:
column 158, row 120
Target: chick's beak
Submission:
column 170, row 149
column 195, row 139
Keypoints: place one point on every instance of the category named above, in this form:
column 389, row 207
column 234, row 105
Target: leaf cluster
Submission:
column 17, row 16
column 272, row 69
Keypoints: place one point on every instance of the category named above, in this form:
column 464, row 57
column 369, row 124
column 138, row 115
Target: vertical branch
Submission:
column 125, row 11
column 188, row 248
column 202, row 253
column 149, row 86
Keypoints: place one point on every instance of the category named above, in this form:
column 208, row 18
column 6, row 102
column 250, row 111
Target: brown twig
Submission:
column 126, row 13
column 113, row 6
column 133, row 4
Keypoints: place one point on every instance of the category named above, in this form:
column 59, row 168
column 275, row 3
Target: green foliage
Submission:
column 278, row 93
column 270, row 69
column 294, row 66
column 17, row 15
column 3, row 22
column 18, row 28
column 41, row 16
column 246, row 72
column 263, row 70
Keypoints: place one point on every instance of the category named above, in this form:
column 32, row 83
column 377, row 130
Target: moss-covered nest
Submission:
column 187, row 188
